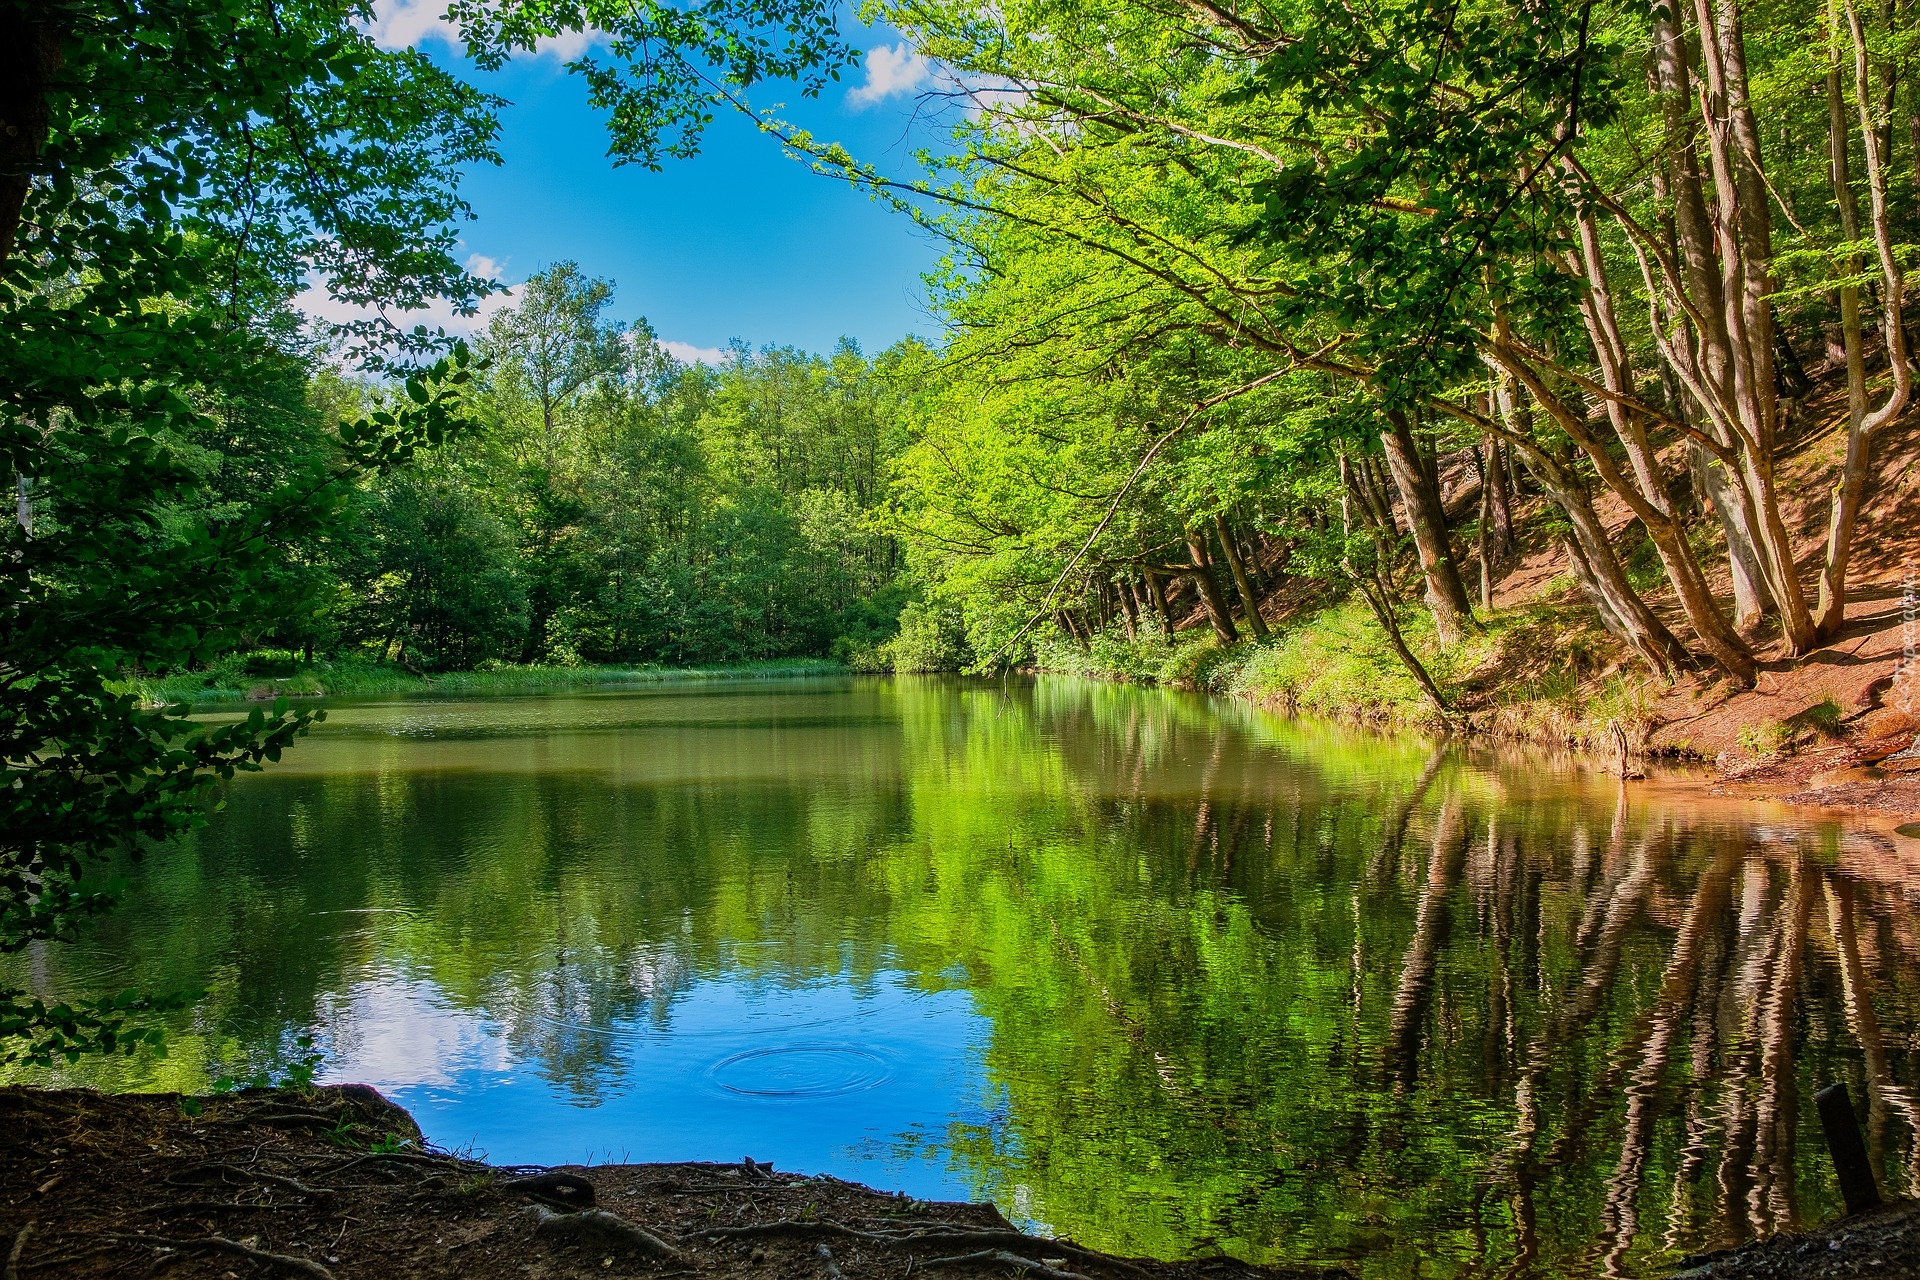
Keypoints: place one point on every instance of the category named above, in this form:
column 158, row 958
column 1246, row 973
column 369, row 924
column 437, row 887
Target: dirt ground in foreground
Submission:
column 286, row 1183
column 1884, row 1244
column 283, row 1183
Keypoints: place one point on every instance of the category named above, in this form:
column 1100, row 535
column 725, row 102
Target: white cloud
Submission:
column 317, row 303
column 687, row 353
column 483, row 266
column 892, row 70
column 404, row 24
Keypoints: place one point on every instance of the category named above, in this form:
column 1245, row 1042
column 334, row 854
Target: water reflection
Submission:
column 1172, row 976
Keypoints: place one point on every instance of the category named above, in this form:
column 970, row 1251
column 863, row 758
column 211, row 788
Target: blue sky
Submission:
column 739, row 242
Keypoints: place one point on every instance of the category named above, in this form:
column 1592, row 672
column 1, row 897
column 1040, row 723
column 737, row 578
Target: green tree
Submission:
column 171, row 173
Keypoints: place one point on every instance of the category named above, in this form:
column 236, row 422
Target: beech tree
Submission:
column 1553, row 226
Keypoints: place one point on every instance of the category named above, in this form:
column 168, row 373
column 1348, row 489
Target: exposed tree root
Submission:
column 561, row 1190
column 210, row 1206
column 1000, row 1257
column 1004, row 1239
column 989, row 1240
column 220, row 1244
column 601, row 1229
column 785, row 1227
column 65, row 1259
column 19, row 1247
column 189, row 1176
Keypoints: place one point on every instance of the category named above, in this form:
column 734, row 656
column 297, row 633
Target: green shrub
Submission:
column 1823, row 717
column 932, row 638
column 1150, row 657
column 1765, row 739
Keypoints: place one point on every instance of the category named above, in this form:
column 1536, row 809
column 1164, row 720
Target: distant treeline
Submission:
column 614, row 505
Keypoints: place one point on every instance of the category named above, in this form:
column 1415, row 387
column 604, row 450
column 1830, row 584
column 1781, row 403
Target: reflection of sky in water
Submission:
column 858, row 1082
column 1165, row 974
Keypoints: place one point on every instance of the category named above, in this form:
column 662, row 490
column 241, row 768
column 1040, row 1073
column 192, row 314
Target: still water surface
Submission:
column 1168, row 975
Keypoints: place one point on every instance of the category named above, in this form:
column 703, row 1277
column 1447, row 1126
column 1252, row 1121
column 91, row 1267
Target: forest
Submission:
column 1249, row 296
column 1264, row 326
column 613, row 506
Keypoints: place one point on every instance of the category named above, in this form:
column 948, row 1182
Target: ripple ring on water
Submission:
column 801, row 1071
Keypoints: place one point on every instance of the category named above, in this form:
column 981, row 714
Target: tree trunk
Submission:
column 1129, row 615
column 1375, row 589
column 1235, row 563
column 1668, row 536
column 1646, row 490
column 1446, row 594
column 1724, row 272
column 1845, row 498
column 1157, row 589
column 1065, row 619
column 1500, row 497
column 1375, row 493
column 1861, row 425
column 1644, row 633
column 1486, row 536
column 1380, row 490
column 1209, row 587
column 536, row 642
column 1751, row 597
column 1583, row 573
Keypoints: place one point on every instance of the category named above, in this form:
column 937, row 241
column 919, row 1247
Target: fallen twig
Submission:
column 602, row 1229
column 220, row 1244
column 1003, row 1258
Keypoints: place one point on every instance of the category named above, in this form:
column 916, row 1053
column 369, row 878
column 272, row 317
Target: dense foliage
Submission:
column 1263, row 290
column 618, row 507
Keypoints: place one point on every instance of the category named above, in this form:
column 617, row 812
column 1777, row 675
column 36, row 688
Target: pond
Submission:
column 1165, row 974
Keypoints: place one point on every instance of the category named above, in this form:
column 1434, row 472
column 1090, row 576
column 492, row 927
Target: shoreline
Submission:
column 337, row 1181
column 1856, row 773
column 360, row 680
column 1849, row 773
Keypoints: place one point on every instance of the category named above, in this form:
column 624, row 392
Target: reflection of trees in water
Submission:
column 1299, row 993
column 1549, row 1026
